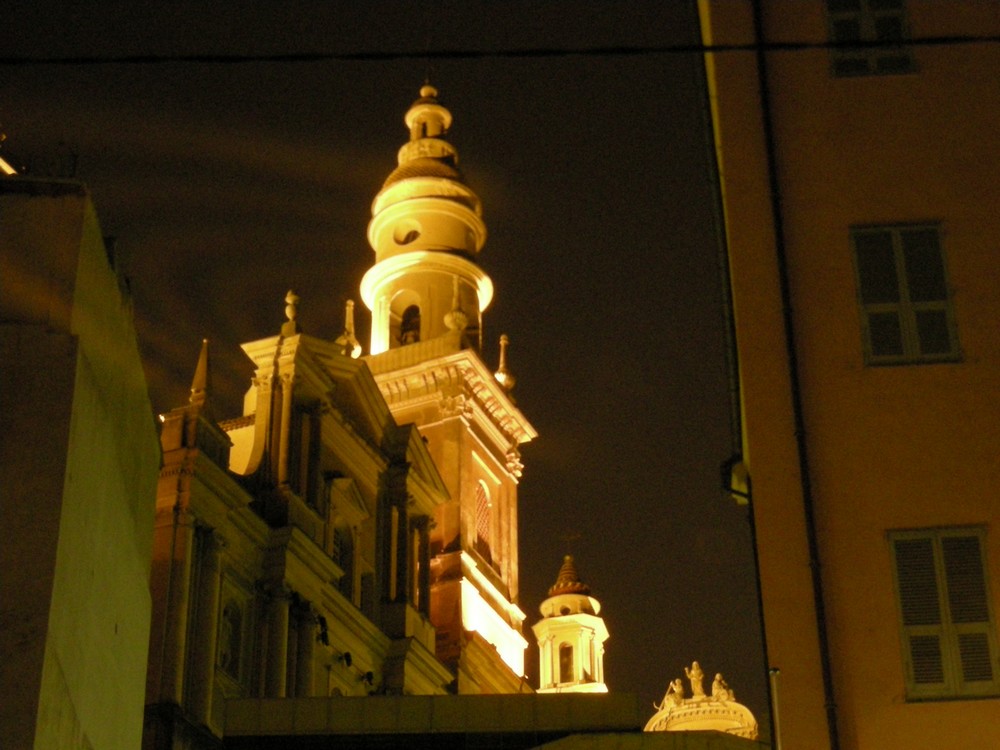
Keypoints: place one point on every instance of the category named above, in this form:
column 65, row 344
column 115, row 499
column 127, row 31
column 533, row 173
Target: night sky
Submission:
column 226, row 184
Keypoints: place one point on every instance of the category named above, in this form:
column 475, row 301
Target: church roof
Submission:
column 568, row 580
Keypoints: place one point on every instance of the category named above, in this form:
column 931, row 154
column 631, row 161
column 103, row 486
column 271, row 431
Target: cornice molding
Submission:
column 462, row 386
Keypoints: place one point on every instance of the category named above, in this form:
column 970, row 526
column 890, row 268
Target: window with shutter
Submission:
column 869, row 37
column 948, row 634
column 903, row 292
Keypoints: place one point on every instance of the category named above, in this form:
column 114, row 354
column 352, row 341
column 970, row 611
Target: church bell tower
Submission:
column 427, row 295
column 426, row 231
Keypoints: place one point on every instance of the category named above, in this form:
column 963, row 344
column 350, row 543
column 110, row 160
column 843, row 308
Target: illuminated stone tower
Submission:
column 427, row 296
column 570, row 637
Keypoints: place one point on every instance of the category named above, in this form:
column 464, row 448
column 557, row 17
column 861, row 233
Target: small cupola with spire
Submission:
column 570, row 636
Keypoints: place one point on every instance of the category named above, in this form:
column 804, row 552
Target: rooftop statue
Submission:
column 673, row 697
column 700, row 712
column 695, row 676
column 721, row 690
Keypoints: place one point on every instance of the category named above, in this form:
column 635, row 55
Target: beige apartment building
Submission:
column 857, row 161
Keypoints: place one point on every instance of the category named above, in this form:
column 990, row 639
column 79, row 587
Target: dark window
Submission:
column 483, row 523
column 566, row 663
column 869, row 37
column 409, row 327
column 303, row 469
column 905, row 306
column 368, row 593
column 343, row 555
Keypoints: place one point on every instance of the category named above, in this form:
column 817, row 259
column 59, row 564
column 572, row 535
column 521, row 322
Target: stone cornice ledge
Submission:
column 444, row 375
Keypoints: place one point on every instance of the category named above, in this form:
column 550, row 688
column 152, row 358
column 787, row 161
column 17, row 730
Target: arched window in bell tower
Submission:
column 566, row 663
column 483, row 523
column 409, row 326
column 404, row 318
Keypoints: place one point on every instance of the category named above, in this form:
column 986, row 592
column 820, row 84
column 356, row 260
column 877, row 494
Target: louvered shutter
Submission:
column 920, row 607
column 967, row 605
column 949, row 644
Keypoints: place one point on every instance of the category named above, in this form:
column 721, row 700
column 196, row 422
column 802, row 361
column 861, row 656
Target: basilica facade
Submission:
column 354, row 531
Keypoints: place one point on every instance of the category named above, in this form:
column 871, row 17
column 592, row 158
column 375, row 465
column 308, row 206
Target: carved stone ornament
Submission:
column 455, row 406
column 514, row 465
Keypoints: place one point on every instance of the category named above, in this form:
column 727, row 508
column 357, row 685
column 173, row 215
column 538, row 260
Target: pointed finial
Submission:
column 347, row 341
column 291, row 326
column 503, row 375
column 199, row 384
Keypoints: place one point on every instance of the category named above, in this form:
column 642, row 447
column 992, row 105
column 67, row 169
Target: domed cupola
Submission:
column 426, row 231
column 568, row 582
column 570, row 637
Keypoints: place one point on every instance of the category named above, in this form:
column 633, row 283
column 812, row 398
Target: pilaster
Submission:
column 276, row 665
column 201, row 674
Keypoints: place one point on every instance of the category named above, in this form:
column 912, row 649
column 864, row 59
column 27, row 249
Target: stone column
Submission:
column 287, row 382
column 551, row 671
column 589, row 660
column 277, row 642
column 201, row 680
column 175, row 625
column 394, row 567
column 599, row 651
column 422, row 565
column 305, row 645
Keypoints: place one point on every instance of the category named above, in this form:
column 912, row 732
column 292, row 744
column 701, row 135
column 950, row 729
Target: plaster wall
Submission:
column 100, row 475
column 32, row 467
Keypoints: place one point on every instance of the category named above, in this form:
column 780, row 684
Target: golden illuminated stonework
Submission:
column 717, row 710
column 427, row 295
column 571, row 636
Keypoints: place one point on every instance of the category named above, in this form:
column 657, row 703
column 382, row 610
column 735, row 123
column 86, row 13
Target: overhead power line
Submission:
column 459, row 54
